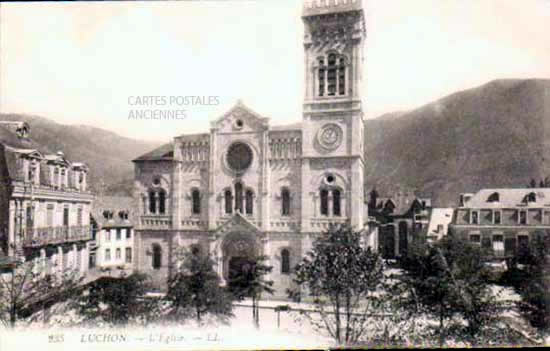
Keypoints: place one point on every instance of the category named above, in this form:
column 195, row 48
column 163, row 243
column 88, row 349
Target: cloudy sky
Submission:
column 85, row 63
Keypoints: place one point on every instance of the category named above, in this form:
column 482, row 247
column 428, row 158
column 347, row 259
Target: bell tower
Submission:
column 334, row 40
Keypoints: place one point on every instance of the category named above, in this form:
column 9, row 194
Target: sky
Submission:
column 96, row 63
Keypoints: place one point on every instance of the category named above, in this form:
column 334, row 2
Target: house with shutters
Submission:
column 45, row 203
column 502, row 220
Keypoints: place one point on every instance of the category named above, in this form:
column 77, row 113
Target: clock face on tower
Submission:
column 330, row 136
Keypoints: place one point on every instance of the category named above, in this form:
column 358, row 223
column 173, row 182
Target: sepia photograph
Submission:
column 274, row 174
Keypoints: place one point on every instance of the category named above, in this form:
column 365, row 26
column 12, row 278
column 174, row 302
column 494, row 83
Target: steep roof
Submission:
column 162, row 153
column 509, row 198
column 114, row 204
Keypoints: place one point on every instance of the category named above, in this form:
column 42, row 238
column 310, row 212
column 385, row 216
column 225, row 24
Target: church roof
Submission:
column 162, row 153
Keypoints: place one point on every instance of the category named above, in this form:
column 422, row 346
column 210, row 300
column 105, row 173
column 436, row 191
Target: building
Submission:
column 502, row 220
column 403, row 217
column 113, row 233
column 440, row 218
column 44, row 203
column 247, row 187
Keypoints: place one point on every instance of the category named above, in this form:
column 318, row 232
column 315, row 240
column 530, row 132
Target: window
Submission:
column 285, row 261
column 238, row 197
column 324, row 202
column 475, row 238
column 496, row 217
column 128, row 255
column 285, row 202
column 107, row 254
column 152, row 203
column 162, row 202
column 49, row 215
column 494, row 197
column 475, row 217
column 522, row 217
column 118, row 234
column 117, row 253
column 342, row 78
column 157, row 256
column 228, row 202
column 336, row 203
column 128, row 233
column 56, row 176
column 498, row 245
column 79, row 217
column 321, row 77
column 523, row 242
column 249, row 202
column 331, row 75
column 108, row 235
column 196, row 201
column 32, row 172
column 531, row 197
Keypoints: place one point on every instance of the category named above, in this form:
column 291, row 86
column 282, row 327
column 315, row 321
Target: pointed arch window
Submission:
column 285, row 202
column 285, row 261
column 238, row 197
column 249, row 204
column 196, row 201
column 228, row 201
column 324, row 202
column 336, row 203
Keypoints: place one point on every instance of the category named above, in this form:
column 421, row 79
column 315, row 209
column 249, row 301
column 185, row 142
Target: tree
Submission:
column 449, row 279
column 117, row 301
column 342, row 276
column 25, row 287
column 251, row 282
column 194, row 290
column 534, row 282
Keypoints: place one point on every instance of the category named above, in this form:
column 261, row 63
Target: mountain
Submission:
column 107, row 154
column 496, row 135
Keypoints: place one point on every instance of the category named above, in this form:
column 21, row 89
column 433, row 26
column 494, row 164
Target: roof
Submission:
column 114, row 204
column 509, row 198
column 162, row 153
column 402, row 202
column 191, row 138
column 10, row 138
column 293, row 126
column 320, row 7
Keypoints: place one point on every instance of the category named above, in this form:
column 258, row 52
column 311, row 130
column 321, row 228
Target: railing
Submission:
column 34, row 237
column 156, row 222
column 325, row 223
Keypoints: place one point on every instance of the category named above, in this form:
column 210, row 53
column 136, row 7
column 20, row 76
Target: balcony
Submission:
column 155, row 222
column 35, row 237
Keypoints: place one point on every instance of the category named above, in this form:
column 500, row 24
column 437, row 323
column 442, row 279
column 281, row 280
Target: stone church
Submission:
column 248, row 187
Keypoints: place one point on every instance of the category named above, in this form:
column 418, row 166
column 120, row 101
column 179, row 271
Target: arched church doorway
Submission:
column 238, row 250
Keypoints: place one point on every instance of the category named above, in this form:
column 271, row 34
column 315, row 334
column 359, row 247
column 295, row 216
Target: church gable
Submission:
column 238, row 223
column 240, row 119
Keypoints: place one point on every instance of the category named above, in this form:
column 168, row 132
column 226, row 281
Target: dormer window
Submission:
column 531, row 197
column 494, row 197
column 108, row 214
column 123, row 215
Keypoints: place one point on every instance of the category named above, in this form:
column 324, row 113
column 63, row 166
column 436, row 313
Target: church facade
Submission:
column 248, row 188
